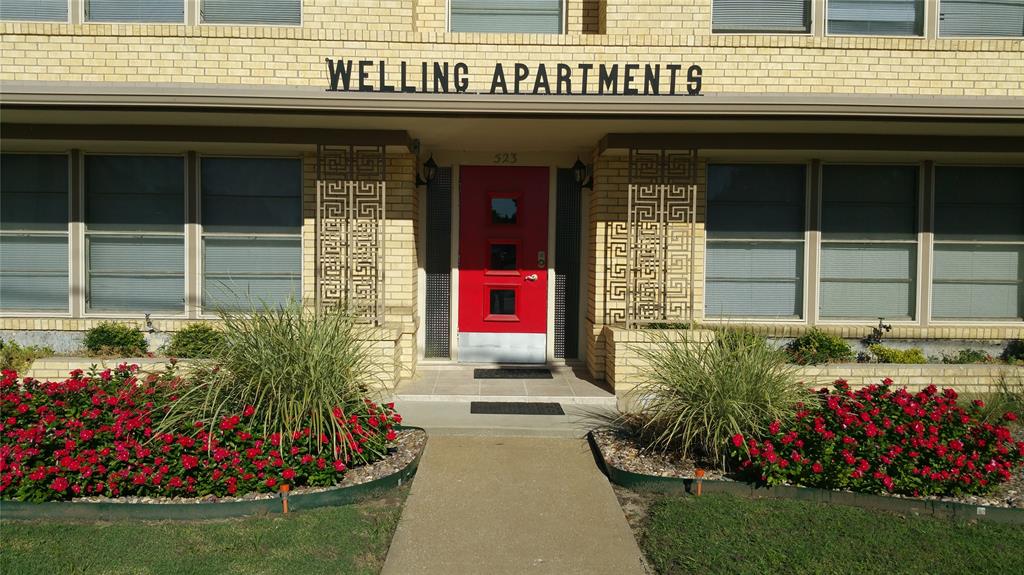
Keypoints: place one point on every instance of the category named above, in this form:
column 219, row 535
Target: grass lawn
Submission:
column 350, row 539
column 725, row 534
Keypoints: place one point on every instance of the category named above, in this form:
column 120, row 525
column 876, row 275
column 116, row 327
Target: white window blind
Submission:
column 252, row 242
column 868, row 242
column 755, row 245
column 761, row 16
column 526, row 16
column 876, row 17
column 1001, row 18
column 169, row 11
column 34, row 10
column 34, row 232
column 268, row 12
column 135, row 235
column 979, row 242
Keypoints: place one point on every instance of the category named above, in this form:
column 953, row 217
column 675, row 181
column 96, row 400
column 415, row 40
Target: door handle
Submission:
column 531, row 278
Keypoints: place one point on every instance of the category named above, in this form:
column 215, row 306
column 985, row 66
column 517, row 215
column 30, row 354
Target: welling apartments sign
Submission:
column 559, row 79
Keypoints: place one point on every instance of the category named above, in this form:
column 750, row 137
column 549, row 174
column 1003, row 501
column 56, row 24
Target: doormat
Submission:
column 515, row 408
column 512, row 373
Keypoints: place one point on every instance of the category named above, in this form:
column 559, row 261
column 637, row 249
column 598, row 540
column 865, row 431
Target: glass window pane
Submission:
column 34, row 272
column 504, row 210
column 261, row 195
column 979, row 203
column 761, row 16
column 751, row 279
column 34, row 192
column 527, row 16
column 503, row 257
column 34, row 10
column 242, row 273
column 747, row 201
column 1003, row 18
column 503, row 302
column 876, row 17
column 275, row 12
column 135, row 11
column 977, row 281
column 136, row 273
column 869, row 202
column 868, row 280
column 135, row 193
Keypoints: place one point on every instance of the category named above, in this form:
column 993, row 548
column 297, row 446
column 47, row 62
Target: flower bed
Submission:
column 97, row 435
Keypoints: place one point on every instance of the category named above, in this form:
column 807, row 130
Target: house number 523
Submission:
column 505, row 158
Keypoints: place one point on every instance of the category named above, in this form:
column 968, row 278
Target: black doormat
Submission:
column 515, row 408
column 512, row 373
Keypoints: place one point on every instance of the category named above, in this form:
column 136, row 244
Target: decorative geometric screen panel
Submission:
column 350, row 235
column 660, row 232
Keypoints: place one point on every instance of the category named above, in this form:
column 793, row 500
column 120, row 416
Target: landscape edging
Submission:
column 919, row 507
column 66, row 510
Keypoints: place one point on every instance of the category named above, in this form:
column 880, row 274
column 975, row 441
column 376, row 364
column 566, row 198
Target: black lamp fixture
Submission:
column 429, row 171
column 582, row 174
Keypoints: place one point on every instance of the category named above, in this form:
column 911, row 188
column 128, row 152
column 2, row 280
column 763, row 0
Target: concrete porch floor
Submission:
column 455, row 382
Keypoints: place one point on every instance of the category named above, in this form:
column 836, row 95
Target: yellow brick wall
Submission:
column 377, row 15
column 658, row 17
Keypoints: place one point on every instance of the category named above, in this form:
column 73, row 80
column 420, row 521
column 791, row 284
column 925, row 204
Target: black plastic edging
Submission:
column 65, row 510
column 920, row 507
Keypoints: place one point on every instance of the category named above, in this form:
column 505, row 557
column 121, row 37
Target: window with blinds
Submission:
column 876, row 17
column 170, row 11
column 34, row 10
column 868, row 242
column 755, row 241
column 135, row 233
column 34, row 232
column 999, row 18
column 979, row 243
column 252, row 222
column 526, row 16
column 779, row 16
column 258, row 12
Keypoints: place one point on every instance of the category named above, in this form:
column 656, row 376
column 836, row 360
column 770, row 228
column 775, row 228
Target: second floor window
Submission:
column 258, row 12
column 778, row 16
column 876, row 17
column 525, row 16
column 161, row 11
column 999, row 18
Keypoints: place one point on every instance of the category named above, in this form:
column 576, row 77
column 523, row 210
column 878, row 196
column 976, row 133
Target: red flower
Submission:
column 59, row 484
column 248, row 411
column 392, row 435
column 189, row 461
column 339, row 465
column 288, row 473
column 817, row 467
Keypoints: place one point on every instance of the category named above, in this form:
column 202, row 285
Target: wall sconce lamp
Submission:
column 429, row 171
column 582, row 174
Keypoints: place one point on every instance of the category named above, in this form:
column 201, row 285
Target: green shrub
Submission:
column 967, row 356
column 699, row 394
column 892, row 355
column 111, row 338
column 1014, row 351
column 19, row 358
column 294, row 366
column 816, row 346
column 195, row 340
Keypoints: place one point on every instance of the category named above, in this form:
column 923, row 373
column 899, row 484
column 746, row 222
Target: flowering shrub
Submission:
column 94, row 435
column 884, row 440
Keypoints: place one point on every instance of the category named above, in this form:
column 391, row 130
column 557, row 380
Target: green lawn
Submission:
column 725, row 534
column 350, row 539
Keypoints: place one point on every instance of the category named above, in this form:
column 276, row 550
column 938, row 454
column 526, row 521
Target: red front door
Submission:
column 503, row 263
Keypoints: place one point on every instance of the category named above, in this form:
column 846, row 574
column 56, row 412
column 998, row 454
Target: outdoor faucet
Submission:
column 149, row 325
column 878, row 331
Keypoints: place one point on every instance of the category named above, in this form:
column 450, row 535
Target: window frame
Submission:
column 68, row 20
column 924, row 25
column 68, row 233
column 87, row 312
column 948, row 322
column 563, row 22
column 939, row 35
column 919, row 240
column 812, row 16
column 202, row 234
column 198, row 10
column 806, row 238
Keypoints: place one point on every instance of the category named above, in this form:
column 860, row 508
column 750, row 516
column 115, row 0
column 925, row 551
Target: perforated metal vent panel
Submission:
column 567, row 266
column 438, row 264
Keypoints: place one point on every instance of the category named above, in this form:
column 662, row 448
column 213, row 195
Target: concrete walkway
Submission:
column 511, row 505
